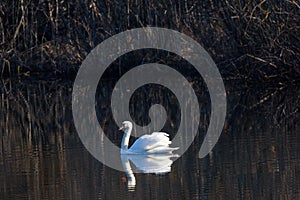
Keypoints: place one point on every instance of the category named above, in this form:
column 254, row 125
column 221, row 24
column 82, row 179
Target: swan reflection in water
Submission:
column 152, row 163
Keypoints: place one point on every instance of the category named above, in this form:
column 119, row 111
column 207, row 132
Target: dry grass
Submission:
column 252, row 40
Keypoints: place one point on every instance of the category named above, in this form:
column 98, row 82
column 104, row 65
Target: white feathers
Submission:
column 155, row 143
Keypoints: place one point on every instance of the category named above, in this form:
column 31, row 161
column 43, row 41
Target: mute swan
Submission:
column 156, row 143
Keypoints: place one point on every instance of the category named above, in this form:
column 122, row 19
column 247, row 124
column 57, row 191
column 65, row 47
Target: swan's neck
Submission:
column 125, row 140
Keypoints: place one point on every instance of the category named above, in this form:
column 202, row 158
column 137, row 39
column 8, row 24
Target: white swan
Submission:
column 156, row 143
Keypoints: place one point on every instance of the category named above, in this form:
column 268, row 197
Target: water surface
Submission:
column 42, row 157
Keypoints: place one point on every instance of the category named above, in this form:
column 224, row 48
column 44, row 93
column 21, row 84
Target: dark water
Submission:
column 42, row 157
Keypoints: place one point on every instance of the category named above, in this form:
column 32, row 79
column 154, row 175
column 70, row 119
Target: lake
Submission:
column 42, row 156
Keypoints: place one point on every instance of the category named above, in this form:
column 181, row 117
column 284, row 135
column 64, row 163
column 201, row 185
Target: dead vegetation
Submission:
column 249, row 40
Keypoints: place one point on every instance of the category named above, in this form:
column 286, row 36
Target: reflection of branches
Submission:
column 28, row 114
column 33, row 108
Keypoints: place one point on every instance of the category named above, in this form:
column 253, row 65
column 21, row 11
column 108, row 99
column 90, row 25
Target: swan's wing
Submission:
column 157, row 140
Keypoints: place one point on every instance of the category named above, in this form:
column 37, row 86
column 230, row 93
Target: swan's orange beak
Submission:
column 121, row 128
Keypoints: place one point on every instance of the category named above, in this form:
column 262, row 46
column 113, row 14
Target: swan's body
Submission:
column 156, row 143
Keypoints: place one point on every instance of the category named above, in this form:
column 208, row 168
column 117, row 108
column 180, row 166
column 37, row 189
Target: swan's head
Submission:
column 125, row 126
